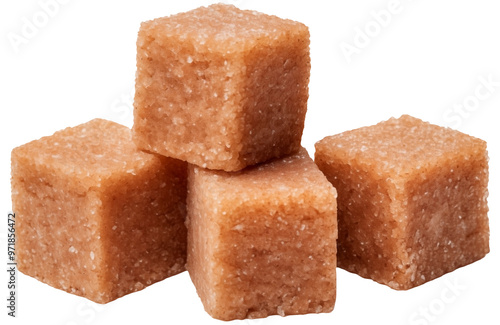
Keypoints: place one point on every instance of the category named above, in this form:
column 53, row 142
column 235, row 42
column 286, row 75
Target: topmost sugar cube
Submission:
column 220, row 87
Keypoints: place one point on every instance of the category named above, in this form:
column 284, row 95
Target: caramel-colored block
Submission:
column 412, row 200
column 220, row 87
column 95, row 216
column 262, row 241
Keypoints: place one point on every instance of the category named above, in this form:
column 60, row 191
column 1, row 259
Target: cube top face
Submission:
column 221, row 28
column 292, row 177
column 90, row 152
column 403, row 146
column 221, row 88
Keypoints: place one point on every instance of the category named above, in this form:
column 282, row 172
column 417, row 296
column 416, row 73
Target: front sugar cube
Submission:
column 220, row 87
column 95, row 216
column 412, row 200
column 262, row 241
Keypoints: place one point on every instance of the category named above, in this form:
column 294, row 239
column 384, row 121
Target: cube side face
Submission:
column 447, row 208
column 371, row 240
column 272, row 255
column 187, row 103
column 275, row 96
column 142, row 230
column 56, row 229
column 202, row 238
column 287, row 268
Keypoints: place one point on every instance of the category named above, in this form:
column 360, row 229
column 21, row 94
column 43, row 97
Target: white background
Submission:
column 429, row 59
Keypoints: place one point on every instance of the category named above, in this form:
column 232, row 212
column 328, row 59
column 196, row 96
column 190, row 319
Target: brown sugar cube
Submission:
column 220, row 87
column 96, row 217
column 412, row 200
column 262, row 241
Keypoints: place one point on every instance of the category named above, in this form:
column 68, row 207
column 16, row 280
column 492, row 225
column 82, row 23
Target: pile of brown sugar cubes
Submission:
column 212, row 178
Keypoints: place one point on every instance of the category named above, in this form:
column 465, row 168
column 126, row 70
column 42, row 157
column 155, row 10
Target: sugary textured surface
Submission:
column 220, row 87
column 412, row 200
column 262, row 241
column 96, row 216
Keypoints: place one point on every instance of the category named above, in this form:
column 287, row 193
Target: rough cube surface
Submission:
column 262, row 241
column 220, row 87
column 412, row 200
column 95, row 216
